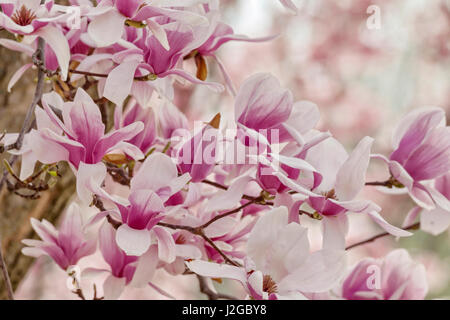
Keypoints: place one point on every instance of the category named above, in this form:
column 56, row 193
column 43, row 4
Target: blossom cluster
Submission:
column 217, row 200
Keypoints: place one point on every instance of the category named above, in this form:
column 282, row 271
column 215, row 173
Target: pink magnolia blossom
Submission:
column 197, row 155
column 150, row 58
column 187, row 248
column 219, row 34
column 80, row 136
column 263, row 107
column 171, row 119
column 342, row 181
column 395, row 277
column 134, row 112
column 229, row 233
column 421, row 152
column 124, row 269
column 110, row 17
column 145, row 206
column 31, row 18
column 279, row 263
column 67, row 245
column 437, row 220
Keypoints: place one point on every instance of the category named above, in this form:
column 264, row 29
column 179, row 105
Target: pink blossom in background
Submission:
column 66, row 246
column 401, row 279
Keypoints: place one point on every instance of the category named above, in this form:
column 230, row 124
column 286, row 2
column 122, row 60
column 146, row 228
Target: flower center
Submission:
column 269, row 285
column 23, row 16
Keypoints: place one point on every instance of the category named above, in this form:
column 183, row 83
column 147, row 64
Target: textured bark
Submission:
column 15, row 211
column 15, row 214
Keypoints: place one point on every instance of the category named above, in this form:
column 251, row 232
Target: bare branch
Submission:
column 204, row 288
column 381, row 235
column 18, row 144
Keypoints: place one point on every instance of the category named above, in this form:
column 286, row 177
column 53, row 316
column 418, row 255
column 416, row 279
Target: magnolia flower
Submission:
column 395, row 277
column 110, row 18
column 263, row 108
column 197, row 155
column 153, row 184
column 171, row 119
column 289, row 165
column 31, row 18
column 437, row 220
column 279, row 264
column 124, row 269
column 219, row 34
column 342, row 181
column 421, row 144
column 134, row 112
column 148, row 58
column 66, row 246
column 80, row 136
column 229, row 233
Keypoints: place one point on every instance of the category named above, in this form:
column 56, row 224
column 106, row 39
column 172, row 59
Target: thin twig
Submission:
column 36, row 98
column 381, row 235
column 224, row 256
column 204, row 288
column 223, row 215
column 246, row 197
column 5, row 273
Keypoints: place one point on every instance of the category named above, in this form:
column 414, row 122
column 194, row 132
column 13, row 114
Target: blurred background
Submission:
column 363, row 78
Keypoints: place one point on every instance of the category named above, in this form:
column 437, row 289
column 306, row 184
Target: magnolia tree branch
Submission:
column 246, row 197
column 199, row 231
column 205, row 289
column 381, row 235
column 18, row 145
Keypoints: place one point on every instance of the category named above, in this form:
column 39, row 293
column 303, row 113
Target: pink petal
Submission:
column 215, row 270
column 58, row 42
column 119, row 82
column 375, row 216
column 335, row 229
column 321, row 272
column 158, row 166
column 431, row 159
column 413, row 129
column 214, row 86
column 113, row 287
column 435, row 221
column 351, row 176
column 166, row 244
column 411, row 217
column 228, row 199
column 288, row 252
column 107, row 28
column 261, row 102
column 17, row 46
column 288, row 4
column 265, row 233
column 134, row 242
column 89, row 179
column 17, row 75
column 114, row 137
column 145, row 268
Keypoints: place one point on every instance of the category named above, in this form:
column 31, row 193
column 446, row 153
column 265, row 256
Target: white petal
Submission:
column 133, row 242
column 113, row 287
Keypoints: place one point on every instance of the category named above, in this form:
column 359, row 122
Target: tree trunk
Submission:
column 15, row 211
